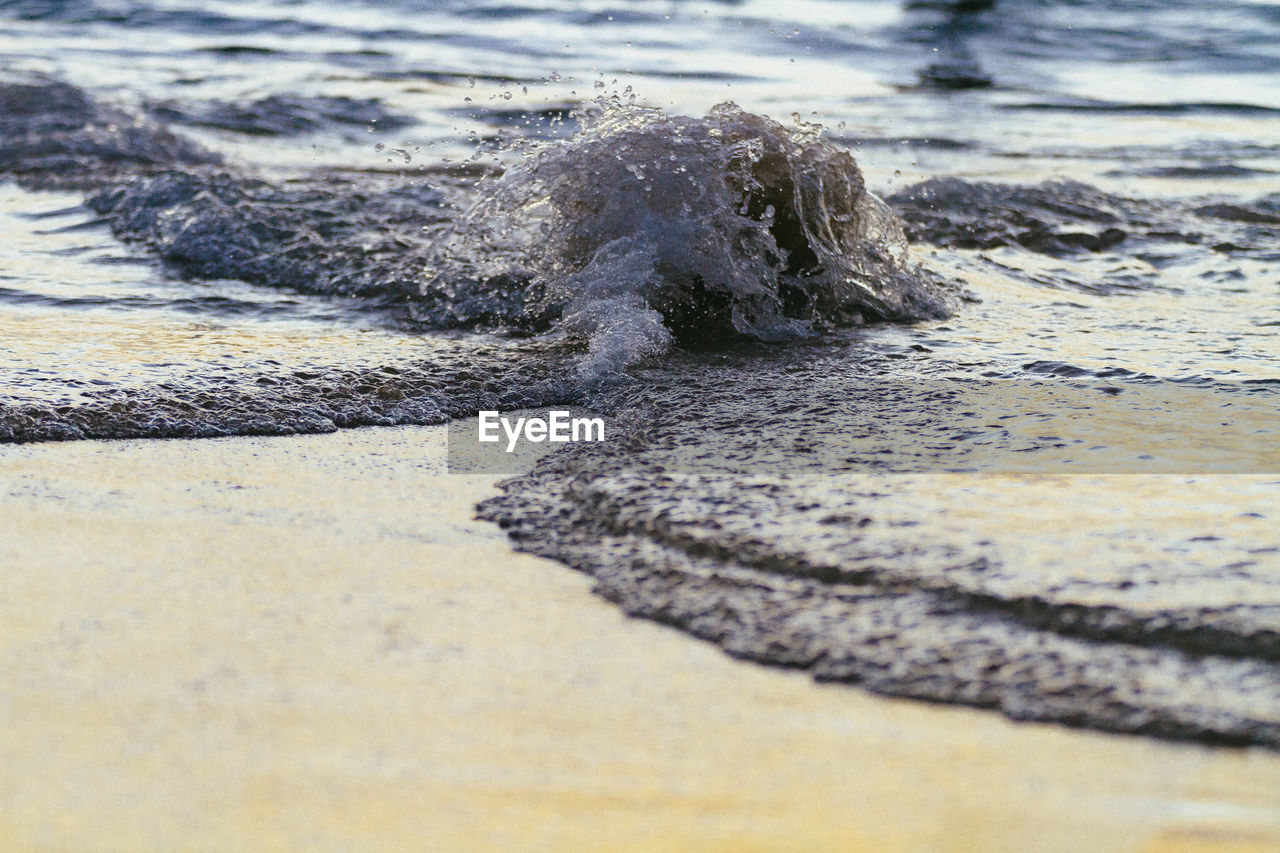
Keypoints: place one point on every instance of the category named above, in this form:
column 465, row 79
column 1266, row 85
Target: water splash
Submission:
column 647, row 229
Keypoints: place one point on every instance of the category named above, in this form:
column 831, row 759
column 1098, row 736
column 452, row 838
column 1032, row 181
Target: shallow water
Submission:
column 284, row 217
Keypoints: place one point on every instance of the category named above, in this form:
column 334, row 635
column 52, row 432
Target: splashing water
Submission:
column 646, row 229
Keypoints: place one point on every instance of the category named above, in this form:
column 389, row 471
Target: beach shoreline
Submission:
column 307, row 641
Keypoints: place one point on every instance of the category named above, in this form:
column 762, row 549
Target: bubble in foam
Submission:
column 646, row 229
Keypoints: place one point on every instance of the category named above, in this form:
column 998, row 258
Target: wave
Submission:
column 641, row 233
column 283, row 115
column 1178, row 108
column 749, row 505
column 460, row 378
column 640, row 230
column 1052, row 218
column 645, row 229
column 53, row 135
column 319, row 236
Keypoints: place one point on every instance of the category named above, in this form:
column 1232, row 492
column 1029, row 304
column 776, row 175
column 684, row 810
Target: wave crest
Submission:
column 647, row 228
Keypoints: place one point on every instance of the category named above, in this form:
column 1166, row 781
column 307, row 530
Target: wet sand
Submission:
column 307, row 643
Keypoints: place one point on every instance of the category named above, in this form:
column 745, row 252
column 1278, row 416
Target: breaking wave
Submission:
column 646, row 229
column 641, row 231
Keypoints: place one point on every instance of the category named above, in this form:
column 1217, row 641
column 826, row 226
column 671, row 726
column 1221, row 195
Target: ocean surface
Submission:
column 943, row 338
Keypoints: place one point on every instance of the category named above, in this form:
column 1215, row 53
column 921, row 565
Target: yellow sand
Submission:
column 306, row 643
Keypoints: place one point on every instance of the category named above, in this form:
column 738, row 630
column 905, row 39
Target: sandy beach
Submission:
column 308, row 643
column 936, row 351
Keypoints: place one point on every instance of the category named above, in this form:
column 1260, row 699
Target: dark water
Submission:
column 957, row 377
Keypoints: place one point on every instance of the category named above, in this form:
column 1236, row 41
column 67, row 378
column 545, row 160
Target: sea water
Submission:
column 944, row 337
